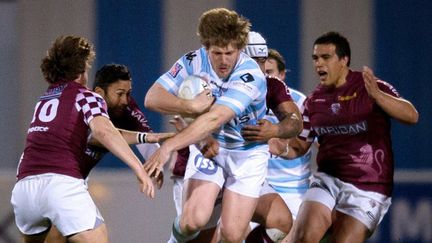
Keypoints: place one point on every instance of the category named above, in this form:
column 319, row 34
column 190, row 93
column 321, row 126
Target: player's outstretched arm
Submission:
column 398, row 108
column 105, row 132
column 133, row 137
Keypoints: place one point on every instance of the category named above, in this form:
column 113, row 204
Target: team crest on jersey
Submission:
column 175, row 70
column 335, row 108
column 247, row 77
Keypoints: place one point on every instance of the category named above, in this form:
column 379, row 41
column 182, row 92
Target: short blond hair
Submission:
column 220, row 27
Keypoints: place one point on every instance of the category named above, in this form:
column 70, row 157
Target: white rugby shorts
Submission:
column 240, row 171
column 42, row 200
column 366, row 206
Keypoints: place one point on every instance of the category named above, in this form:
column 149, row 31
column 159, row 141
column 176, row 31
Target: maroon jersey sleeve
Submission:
column 387, row 88
column 91, row 105
column 277, row 93
column 307, row 133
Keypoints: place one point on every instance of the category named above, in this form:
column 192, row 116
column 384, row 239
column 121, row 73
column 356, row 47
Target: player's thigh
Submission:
column 272, row 212
column 312, row 222
column 200, row 200
column 99, row 235
column 38, row 238
column 348, row 229
column 237, row 211
column 54, row 236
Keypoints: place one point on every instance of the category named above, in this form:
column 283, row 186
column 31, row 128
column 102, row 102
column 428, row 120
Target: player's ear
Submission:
column 283, row 75
column 345, row 59
column 100, row 91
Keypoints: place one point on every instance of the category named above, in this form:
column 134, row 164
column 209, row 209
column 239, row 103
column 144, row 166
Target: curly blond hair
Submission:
column 220, row 27
column 68, row 57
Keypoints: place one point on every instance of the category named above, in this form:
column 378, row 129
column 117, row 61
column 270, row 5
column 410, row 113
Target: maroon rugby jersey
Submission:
column 57, row 136
column 277, row 93
column 131, row 119
column 353, row 133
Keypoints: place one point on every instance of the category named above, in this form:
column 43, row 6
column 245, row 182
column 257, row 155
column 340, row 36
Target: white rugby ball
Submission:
column 191, row 87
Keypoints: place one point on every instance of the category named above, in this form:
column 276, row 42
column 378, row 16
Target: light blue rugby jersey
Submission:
column 289, row 176
column 244, row 92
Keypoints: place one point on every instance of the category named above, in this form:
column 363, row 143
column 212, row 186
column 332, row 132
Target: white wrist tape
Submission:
column 286, row 151
column 142, row 137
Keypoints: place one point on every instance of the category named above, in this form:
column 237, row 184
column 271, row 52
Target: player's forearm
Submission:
column 133, row 137
column 289, row 127
column 202, row 127
column 398, row 108
column 290, row 124
column 104, row 132
column 160, row 100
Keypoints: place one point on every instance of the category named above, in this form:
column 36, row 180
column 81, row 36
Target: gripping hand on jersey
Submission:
column 200, row 104
column 262, row 131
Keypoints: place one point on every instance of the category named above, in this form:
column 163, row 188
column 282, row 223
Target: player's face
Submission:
column 271, row 69
column 117, row 96
column 331, row 69
column 223, row 59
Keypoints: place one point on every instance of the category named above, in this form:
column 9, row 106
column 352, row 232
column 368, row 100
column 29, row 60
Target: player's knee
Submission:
column 283, row 222
column 303, row 236
column 195, row 220
column 193, row 223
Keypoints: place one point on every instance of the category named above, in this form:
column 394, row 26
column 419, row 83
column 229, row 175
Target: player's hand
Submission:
column 209, row 147
column 277, row 146
column 178, row 122
column 158, row 181
column 370, row 82
column 262, row 131
column 146, row 184
column 154, row 165
column 200, row 104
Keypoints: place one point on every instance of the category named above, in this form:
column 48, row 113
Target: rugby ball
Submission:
column 192, row 86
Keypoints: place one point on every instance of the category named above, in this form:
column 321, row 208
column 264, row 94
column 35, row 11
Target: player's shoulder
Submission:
column 297, row 93
column 86, row 93
column 194, row 56
column 248, row 70
column 275, row 81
